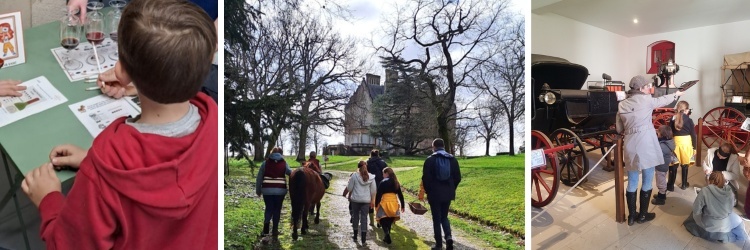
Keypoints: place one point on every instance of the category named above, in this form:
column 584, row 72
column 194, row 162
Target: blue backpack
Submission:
column 442, row 168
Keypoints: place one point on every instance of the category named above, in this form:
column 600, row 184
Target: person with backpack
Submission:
column 271, row 184
column 375, row 166
column 440, row 178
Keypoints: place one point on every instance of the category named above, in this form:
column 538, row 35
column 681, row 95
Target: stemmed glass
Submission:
column 113, row 20
column 70, row 32
column 94, row 29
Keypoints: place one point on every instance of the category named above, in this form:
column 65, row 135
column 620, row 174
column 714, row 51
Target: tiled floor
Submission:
column 585, row 219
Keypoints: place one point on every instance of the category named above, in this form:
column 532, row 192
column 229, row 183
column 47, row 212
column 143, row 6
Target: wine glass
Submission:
column 113, row 21
column 94, row 29
column 70, row 32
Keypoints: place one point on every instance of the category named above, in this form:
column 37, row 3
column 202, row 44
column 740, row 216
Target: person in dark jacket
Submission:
column 271, row 183
column 375, row 166
column 439, row 192
column 667, row 147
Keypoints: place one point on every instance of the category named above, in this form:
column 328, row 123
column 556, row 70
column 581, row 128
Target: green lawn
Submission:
column 491, row 190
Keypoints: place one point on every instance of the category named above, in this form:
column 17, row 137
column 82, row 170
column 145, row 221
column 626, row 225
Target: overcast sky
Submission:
column 367, row 26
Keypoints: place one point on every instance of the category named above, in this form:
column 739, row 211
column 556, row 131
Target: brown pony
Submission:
column 305, row 190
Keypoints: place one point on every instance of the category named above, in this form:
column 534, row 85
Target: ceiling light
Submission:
column 635, row 20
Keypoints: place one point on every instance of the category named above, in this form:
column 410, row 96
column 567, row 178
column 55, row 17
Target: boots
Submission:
column 660, row 199
column 644, row 215
column 275, row 231
column 387, row 238
column 364, row 237
column 355, row 235
column 630, row 198
column 671, row 176
column 449, row 244
column 685, row 183
column 265, row 229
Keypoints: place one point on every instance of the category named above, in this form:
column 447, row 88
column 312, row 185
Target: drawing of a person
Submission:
column 6, row 33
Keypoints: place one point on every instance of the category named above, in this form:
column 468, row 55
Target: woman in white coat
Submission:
column 363, row 190
column 641, row 145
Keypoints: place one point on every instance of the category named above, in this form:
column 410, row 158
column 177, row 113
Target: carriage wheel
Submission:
column 662, row 119
column 544, row 182
column 723, row 124
column 573, row 163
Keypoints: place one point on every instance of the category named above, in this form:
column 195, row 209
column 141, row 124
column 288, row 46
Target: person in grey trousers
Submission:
column 363, row 189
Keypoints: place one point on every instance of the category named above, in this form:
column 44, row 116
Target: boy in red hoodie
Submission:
column 148, row 182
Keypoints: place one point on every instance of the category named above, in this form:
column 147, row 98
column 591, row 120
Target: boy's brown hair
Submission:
column 166, row 47
column 665, row 132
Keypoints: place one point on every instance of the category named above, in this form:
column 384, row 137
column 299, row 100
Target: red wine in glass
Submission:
column 69, row 43
column 95, row 37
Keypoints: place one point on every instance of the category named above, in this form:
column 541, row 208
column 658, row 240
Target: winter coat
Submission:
column 375, row 165
column 440, row 191
column 362, row 191
column 667, row 152
column 641, row 147
column 261, row 175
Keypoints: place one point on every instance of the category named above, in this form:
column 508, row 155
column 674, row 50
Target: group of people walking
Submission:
column 372, row 189
column 662, row 151
column 440, row 178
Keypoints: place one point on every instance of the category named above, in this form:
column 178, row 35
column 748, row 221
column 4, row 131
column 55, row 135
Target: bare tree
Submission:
column 487, row 124
column 450, row 34
column 464, row 135
column 323, row 62
column 502, row 77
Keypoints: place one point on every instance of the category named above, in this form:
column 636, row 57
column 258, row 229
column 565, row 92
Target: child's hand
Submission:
column 40, row 182
column 110, row 86
column 10, row 88
column 67, row 155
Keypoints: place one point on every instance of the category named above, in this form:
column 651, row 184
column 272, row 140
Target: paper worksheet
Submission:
column 96, row 113
column 82, row 64
column 39, row 95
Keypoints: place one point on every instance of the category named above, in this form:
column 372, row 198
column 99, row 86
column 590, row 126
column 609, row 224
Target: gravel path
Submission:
column 335, row 210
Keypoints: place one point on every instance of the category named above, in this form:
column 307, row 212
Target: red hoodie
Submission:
column 141, row 191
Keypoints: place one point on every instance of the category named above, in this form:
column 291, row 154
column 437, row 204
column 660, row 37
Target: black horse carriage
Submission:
column 567, row 122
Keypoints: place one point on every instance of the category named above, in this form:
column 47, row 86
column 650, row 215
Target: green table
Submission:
column 26, row 143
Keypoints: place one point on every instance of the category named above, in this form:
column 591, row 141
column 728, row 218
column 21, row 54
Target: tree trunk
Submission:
column 444, row 132
column 512, row 149
column 487, row 147
column 258, row 144
column 302, row 141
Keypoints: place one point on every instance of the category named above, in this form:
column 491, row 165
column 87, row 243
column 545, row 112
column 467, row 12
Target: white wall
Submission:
column 598, row 50
column 700, row 48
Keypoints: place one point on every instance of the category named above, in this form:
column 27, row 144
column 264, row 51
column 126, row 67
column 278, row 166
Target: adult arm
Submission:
column 658, row 102
column 618, row 124
column 455, row 172
column 698, row 204
column 288, row 171
column 733, row 170
column 259, row 178
column 427, row 175
column 400, row 197
column 707, row 164
column 349, row 185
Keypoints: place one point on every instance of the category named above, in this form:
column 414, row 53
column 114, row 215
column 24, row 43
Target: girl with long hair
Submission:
column 683, row 129
column 387, row 205
column 362, row 190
